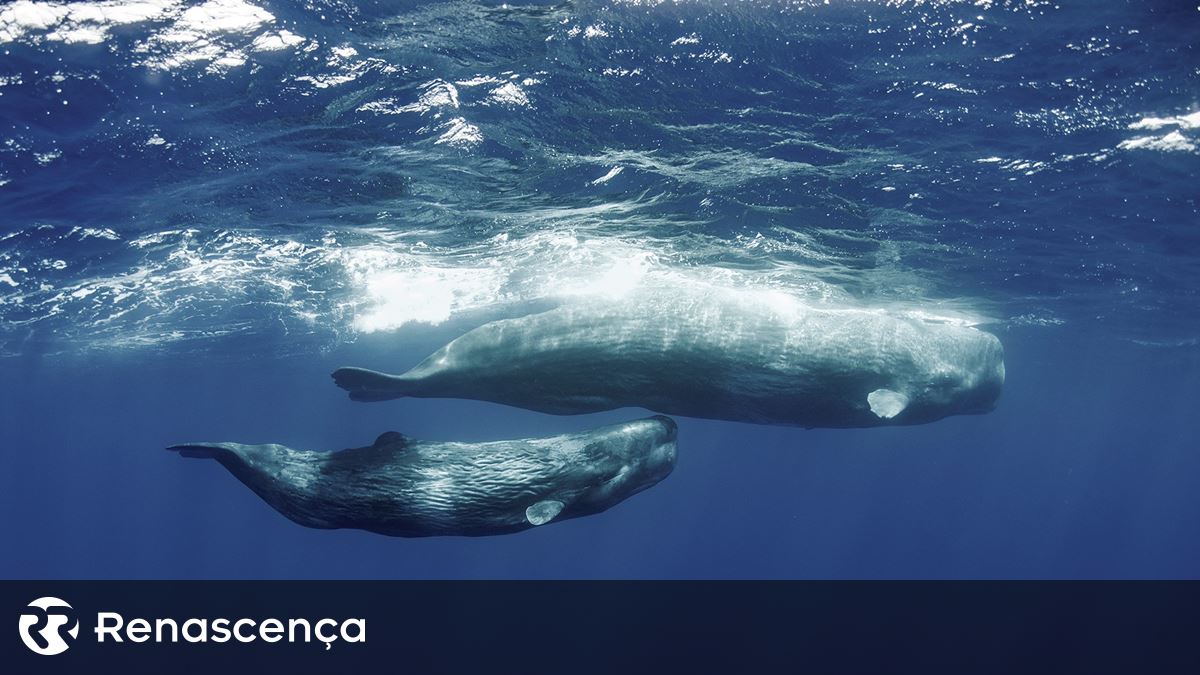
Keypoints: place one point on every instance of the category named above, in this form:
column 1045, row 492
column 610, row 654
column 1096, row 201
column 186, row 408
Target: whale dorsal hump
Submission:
column 886, row 403
column 543, row 511
column 390, row 439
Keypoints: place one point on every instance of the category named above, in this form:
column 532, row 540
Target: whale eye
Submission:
column 943, row 382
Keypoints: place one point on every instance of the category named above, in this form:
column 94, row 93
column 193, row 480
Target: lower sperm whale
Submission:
column 404, row 487
column 747, row 356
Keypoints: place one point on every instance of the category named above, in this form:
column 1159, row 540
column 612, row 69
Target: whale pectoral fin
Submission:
column 543, row 511
column 886, row 403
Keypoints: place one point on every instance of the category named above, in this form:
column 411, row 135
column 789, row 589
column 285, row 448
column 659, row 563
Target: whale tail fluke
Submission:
column 370, row 385
column 204, row 450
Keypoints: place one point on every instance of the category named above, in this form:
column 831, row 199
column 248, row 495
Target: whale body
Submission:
column 404, row 487
column 761, row 357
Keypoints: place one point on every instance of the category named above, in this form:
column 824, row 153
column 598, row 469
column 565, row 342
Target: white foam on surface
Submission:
column 94, row 233
column 612, row 173
column 436, row 94
column 273, row 42
column 44, row 158
column 207, row 33
column 1189, row 121
column 91, row 35
column 460, row 133
column 218, row 16
column 717, row 169
column 510, row 94
column 478, row 81
column 1172, row 142
column 216, row 33
column 84, row 22
column 346, row 67
column 326, row 81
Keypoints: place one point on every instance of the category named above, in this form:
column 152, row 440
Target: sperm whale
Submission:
column 761, row 357
column 405, row 487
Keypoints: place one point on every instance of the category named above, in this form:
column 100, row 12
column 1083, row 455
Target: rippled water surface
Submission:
column 207, row 206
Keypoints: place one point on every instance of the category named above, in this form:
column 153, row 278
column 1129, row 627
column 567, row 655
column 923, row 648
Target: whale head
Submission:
column 965, row 377
column 652, row 451
column 637, row 454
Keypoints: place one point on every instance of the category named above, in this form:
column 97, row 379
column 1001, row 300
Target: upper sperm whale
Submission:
column 747, row 356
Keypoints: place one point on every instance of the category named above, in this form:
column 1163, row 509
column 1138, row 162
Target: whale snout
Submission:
column 668, row 430
column 662, row 454
column 648, row 447
column 662, row 449
column 988, row 392
column 988, row 380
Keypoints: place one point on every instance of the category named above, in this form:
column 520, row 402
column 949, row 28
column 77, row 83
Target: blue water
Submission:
column 206, row 207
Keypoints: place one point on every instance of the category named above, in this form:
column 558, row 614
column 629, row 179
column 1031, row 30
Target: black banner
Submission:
column 600, row 627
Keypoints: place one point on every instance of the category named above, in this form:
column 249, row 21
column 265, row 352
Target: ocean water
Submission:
column 206, row 207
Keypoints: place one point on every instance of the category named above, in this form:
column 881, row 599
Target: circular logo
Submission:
column 42, row 626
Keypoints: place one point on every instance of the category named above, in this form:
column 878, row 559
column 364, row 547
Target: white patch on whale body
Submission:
column 886, row 403
column 543, row 511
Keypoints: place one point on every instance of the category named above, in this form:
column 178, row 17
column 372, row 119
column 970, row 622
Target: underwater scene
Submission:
column 624, row 289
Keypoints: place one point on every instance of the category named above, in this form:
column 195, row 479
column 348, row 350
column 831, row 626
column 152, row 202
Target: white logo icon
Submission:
column 41, row 629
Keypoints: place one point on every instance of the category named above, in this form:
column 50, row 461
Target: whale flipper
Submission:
column 886, row 403
column 543, row 511
column 370, row 385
